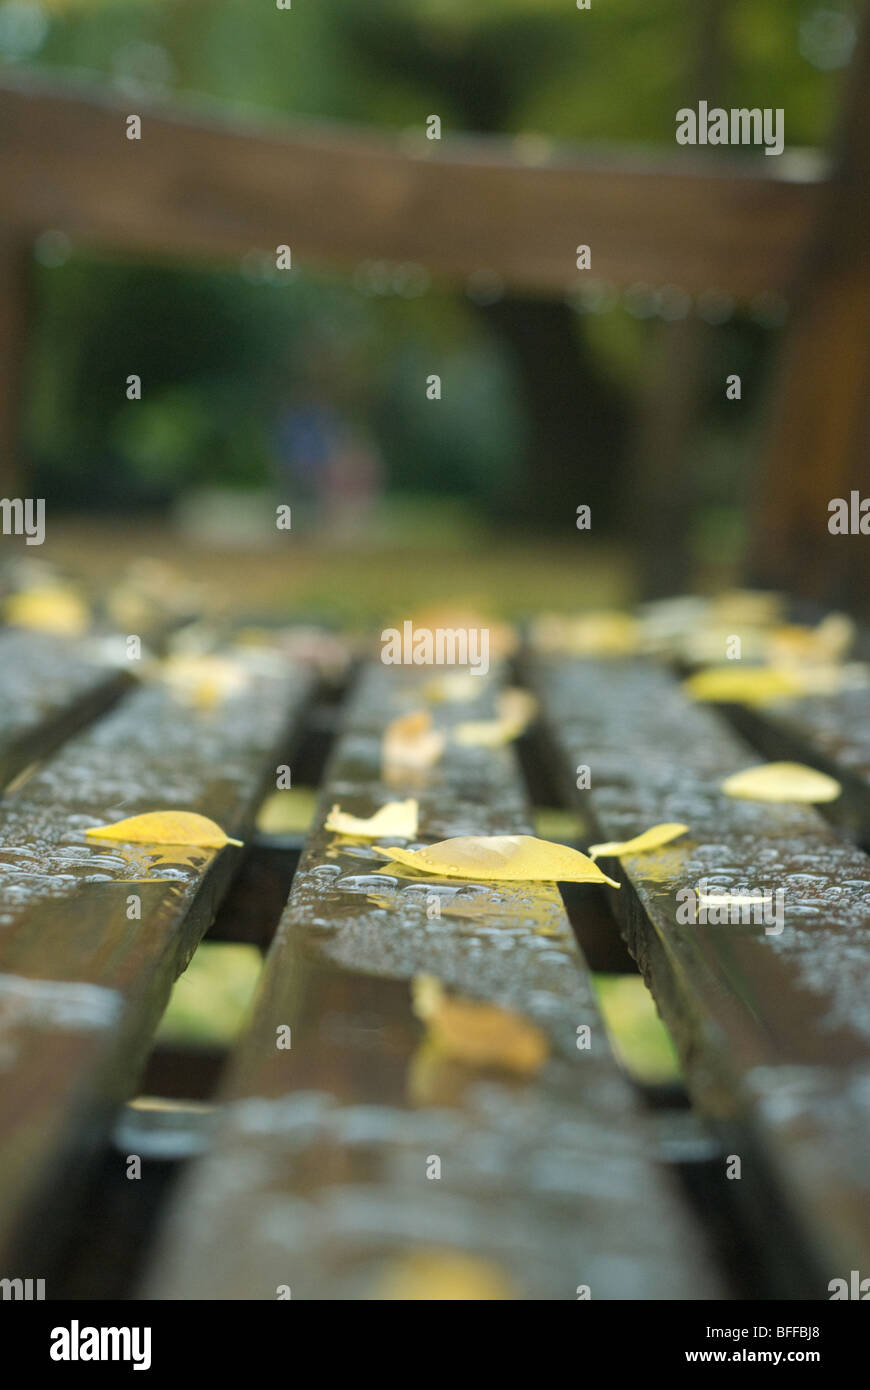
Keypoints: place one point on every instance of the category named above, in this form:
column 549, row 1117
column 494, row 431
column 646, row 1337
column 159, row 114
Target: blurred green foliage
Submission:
column 220, row 354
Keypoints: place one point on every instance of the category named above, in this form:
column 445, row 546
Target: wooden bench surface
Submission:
column 48, row 689
column 317, row 1177
column 830, row 732
column 82, row 986
column 774, row 1029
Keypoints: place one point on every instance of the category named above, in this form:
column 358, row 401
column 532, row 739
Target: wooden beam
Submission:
column 201, row 185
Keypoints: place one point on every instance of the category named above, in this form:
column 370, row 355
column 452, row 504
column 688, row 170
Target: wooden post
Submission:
column 15, row 284
column 818, row 445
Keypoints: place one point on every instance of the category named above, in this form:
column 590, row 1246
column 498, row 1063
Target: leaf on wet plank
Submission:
column 204, row 681
column 396, row 818
column 515, row 711
column 165, row 828
column 56, row 609
column 501, row 857
column 748, row 685
column 603, row 633
column 411, row 743
column 782, row 782
column 476, row 1033
column 653, row 838
column 438, row 1275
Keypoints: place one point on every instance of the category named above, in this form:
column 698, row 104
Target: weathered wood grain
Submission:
column 82, row 985
column 318, row 1174
column 199, row 185
column 766, row 1023
column 48, row 689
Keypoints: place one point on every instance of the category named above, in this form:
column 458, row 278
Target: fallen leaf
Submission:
column 748, row 685
column 411, row 743
column 782, row 782
column 454, row 687
column 829, row 643
column 603, row 633
column 476, row 1033
column 653, row 838
column 442, row 1275
column 396, row 818
column 165, row 828
column 501, row 857
column 515, row 711
column 204, row 681
column 52, row 609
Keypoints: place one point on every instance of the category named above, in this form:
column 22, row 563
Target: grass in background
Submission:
column 209, row 1002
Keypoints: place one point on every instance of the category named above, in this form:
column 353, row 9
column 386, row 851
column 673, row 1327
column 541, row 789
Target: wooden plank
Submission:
column 199, row 185
column 830, row 732
column 763, row 1021
column 318, row 1174
column 82, row 986
column 48, row 689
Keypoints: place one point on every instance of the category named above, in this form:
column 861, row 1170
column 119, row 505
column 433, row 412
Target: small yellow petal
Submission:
column 782, row 782
column 165, row 828
column 516, row 709
column 505, row 857
column 653, row 838
column 396, row 818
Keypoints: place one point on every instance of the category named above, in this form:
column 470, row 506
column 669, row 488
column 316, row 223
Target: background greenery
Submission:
column 221, row 351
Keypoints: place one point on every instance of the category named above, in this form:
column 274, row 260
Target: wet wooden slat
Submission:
column 48, row 689
column 830, row 732
column 763, row 1021
column 318, row 1175
column 82, row 984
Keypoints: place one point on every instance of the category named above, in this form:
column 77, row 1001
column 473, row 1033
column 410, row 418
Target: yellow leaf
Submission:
column 479, row 1034
column 601, row 633
column 165, row 828
column 454, row 687
column 204, row 681
column 653, row 838
column 782, row 782
column 829, row 643
column 507, row 857
column 51, row 609
column 411, row 743
column 425, row 1276
column 516, row 709
column 396, row 818
column 748, row 685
